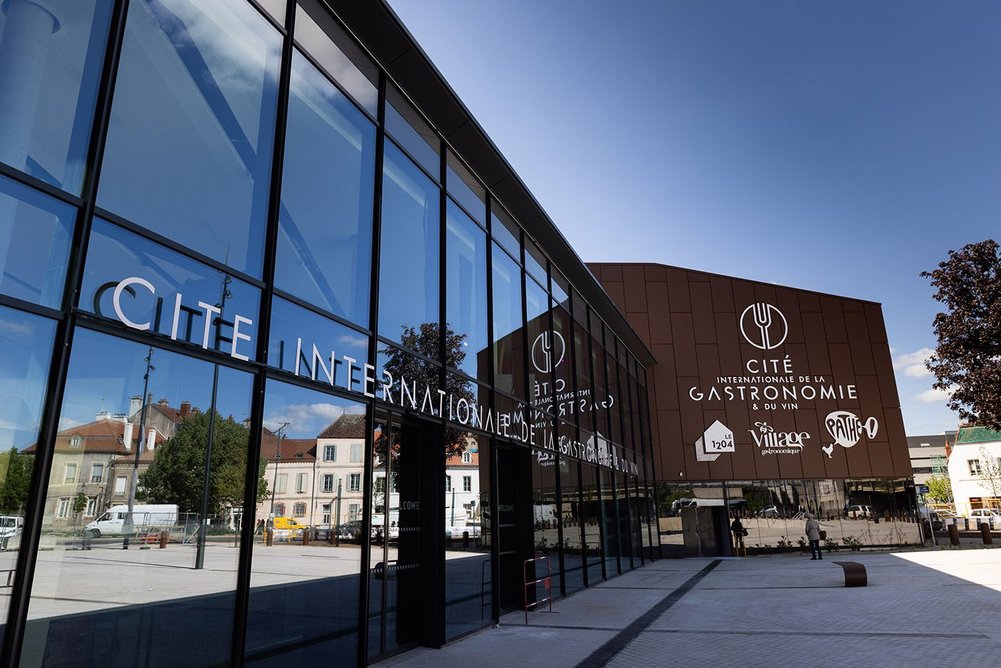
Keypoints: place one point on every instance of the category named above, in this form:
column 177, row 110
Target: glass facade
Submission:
column 282, row 381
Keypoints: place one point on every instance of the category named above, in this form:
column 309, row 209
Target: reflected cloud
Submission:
column 307, row 420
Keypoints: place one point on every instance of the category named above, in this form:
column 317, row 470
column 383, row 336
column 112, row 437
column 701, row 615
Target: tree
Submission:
column 428, row 374
column 16, row 477
column 939, row 489
column 967, row 359
column 178, row 467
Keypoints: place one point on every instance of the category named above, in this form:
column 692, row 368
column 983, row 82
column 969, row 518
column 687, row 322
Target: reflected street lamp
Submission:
column 280, row 433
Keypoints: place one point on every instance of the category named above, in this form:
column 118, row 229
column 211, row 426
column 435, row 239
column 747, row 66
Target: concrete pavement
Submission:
column 930, row 607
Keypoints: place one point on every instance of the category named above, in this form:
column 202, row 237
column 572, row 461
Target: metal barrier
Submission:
column 547, row 584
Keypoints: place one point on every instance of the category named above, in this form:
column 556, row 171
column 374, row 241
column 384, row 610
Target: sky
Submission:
column 840, row 147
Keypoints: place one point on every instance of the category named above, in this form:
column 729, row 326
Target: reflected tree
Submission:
column 15, row 472
column 175, row 475
column 412, row 368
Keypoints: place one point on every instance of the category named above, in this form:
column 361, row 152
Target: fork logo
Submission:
column 547, row 354
column 763, row 326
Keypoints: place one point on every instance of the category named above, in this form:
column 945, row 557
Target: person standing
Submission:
column 738, row 530
column 812, row 530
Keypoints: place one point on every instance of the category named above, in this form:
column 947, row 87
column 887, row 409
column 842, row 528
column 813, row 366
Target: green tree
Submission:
column 15, row 480
column 967, row 359
column 425, row 373
column 176, row 473
column 939, row 489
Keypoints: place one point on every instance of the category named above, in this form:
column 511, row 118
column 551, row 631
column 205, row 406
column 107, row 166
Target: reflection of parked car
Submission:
column 321, row 532
column 10, row 530
column 350, row 531
column 770, row 511
column 986, row 515
column 936, row 522
column 858, row 512
column 678, row 504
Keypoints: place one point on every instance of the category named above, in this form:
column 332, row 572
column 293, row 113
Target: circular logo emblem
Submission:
column 548, row 353
column 763, row 326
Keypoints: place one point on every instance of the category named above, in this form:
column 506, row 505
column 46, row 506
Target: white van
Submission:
column 10, row 531
column 144, row 516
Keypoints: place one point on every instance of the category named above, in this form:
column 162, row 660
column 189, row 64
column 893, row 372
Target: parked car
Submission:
column 858, row 512
column 678, row 504
column 350, row 531
column 10, row 531
column 321, row 532
column 288, row 524
column 770, row 511
column 986, row 515
column 936, row 523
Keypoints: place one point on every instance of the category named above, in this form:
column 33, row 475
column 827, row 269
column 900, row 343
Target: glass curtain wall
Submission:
column 238, row 432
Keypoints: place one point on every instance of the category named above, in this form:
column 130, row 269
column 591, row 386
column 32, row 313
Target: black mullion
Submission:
column 320, row 311
column 30, row 307
column 494, row 546
column 619, row 383
column 245, row 557
column 10, row 653
column 174, row 246
column 572, row 353
column 438, row 625
column 45, row 187
column 373, row 352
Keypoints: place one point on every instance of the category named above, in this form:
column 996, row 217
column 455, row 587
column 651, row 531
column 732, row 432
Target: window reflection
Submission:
column 466, row 290
column 325, row 237
column 25, row 348
column 407, row 127
column 149, row 288
column 314, row 347
column 188, row 153
column 572, row 518
column 509, row 347
column 307, row 559
column 321, row 37
column 47, row 97
column 35, row 236
column 467, row 548
column 143, row 434
column 408, row 273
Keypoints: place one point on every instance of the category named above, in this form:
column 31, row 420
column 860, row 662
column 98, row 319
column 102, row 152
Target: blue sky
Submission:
column 840, row 147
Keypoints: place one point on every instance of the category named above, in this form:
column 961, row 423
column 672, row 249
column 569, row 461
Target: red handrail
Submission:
column 547, row 584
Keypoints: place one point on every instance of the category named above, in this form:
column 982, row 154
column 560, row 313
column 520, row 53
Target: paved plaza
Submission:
column 928, row 607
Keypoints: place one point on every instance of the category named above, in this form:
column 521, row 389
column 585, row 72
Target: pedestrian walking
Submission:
column 738, row 530
column 812, row 530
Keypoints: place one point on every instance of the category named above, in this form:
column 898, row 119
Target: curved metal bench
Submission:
column 855, row 575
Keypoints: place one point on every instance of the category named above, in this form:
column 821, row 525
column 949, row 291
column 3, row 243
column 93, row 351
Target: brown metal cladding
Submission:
column 837, row 348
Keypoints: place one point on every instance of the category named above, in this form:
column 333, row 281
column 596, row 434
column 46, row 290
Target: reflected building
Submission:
column 277, row 219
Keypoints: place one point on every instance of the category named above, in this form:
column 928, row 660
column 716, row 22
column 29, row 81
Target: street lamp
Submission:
column 280, row 433
column 128, row 526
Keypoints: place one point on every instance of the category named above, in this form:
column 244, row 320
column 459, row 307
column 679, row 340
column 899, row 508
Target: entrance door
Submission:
column 514, row 523
column 405, row 582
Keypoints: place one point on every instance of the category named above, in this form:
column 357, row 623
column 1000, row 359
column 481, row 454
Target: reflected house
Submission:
column 341, row 464
column 290, row 471
column 83, row 464
column 160, row 420
column 96, row 459
column 462, row 486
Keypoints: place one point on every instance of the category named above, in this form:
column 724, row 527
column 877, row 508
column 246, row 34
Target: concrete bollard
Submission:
column 985, row 533
column 954, row 534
